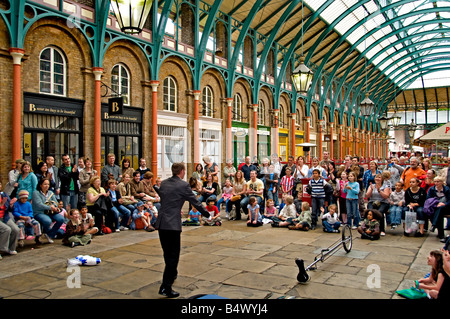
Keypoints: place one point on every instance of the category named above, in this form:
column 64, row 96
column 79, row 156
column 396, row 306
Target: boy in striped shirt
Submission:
column 317, row 196
column 287, row 182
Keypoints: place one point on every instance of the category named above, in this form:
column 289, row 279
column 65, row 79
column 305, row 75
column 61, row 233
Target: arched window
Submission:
column 170, row 94
column 237, row 108
column 261, row 111
column 208, row 100
column 52, row 72
column 120, row 82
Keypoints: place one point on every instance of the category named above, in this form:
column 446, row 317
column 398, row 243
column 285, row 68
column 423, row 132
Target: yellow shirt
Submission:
column 94, row 193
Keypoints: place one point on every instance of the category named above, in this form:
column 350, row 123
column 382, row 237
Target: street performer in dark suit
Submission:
column 173, row 192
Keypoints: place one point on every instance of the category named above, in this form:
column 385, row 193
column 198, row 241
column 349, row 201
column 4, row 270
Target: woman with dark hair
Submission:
column 42, row 173
column 415, row 197
column 127, row 168
column 45, row 209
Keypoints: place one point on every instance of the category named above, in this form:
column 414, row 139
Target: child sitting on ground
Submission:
column 330, row 220
column 76, row 234
column 194, row 219
column 141, row 218
column 287, row 214
column 87, row 220
column 254, row 217
column 370, row 227
column 271, row 210
column 153, row 212
column 214, row 219
column 304, row 220
column 436, row 277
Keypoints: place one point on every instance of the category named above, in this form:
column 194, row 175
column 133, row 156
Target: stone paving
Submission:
column 233, row 261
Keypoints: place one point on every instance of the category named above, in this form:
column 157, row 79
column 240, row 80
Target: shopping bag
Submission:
column 410, row 222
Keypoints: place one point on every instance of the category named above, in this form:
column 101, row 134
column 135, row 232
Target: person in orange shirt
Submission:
column 412, row 171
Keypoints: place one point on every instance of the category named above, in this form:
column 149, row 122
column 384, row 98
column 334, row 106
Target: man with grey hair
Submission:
column 412, row 171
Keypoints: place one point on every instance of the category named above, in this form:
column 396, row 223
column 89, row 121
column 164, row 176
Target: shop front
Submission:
column 239, row 133
column 122, row 135
column 52, row 126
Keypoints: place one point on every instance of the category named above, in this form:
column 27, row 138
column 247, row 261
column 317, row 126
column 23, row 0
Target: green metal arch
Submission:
column 405, row 77
column 201, row 48
column 387, row 78
column 312, row 49
column 436, row 54
column 351, row 49
column 342, row 81
column 288, row 57
column 237, row 48
column 268, row 46
column 382, row 87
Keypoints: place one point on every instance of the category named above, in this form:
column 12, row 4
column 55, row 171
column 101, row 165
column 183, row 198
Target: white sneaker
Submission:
column 382, row 233
column 117, row 230
column 48, row 238
column 12, row 252
column 123, row 228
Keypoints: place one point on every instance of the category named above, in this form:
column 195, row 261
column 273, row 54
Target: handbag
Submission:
column 235, row 198
column 336, row 193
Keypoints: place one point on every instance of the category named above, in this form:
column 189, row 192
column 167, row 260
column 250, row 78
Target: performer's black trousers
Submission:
column 171, row 244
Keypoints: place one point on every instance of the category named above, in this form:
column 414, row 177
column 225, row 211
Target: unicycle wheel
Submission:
column 347, row 238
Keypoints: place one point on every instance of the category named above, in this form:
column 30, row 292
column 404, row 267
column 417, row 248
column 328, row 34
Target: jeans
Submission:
column 222, row 200
column 71, row 199
column 353, row 212
column 206, row 197
column 122, row 211
column 330, row 227
column 316, row 203
column 396, row 214
column 46, row 221
column 437, row 220
column 273, row 196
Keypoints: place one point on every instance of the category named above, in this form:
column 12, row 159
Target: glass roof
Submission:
column 399, row 36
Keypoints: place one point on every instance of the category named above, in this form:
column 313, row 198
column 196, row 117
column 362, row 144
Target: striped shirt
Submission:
column 287, row 183
column 318, row 187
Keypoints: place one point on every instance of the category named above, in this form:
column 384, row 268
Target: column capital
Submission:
column 196, row 94
column 17, row 55
column 154, row 85
column 230, row 101
column 97, row 73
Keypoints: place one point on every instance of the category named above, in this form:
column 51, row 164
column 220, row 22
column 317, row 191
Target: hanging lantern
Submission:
column 412, row 129
column 302, row 77
column 383, row 120
column 395, row 119
column 131, row 14
column 367, row 106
